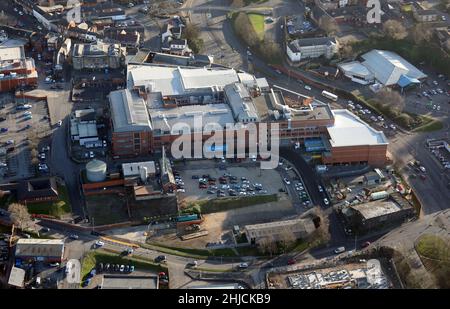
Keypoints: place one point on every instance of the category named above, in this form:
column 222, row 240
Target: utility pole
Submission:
column 93, row 225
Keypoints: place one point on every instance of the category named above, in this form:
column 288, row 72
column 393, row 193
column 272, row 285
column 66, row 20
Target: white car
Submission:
column 21, row 13
column 308, row 88
column 325, row 200
column 53, row 264
column 181, row 190
column 43, row 167
column 27, row 113
column 339, row 250
column 10, row 142
column 74, row 236
column 91, row 154
column 392, row 127
column 320, row 188
column 287, row 181
column 59, row 123
column 243, row 265
column 99, row 243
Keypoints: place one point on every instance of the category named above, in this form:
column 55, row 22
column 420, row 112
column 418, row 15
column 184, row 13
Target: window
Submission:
column 136, row 135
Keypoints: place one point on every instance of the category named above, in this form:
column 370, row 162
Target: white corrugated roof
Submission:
column 388, row 66
column 128, row 112
column 355, row 68
column 349, row 130
column 177, row 81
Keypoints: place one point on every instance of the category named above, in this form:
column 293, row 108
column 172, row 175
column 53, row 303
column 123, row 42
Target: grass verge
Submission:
column 257, row 21
column 223, row 204
column 430, row 126
column 91, row 259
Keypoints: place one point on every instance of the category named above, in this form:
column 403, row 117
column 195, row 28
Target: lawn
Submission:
column 102, row 256
column 56, row 209
column 257, row 21
column 433, row 125
column 227, row 203
column 435, row 254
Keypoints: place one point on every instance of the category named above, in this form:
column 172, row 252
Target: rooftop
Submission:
column 134, row 168
column 349, row 130
column 128, row 111
column 388, row 67
column 355, row 68
column 129, row 282
column 376, row 209
column 297, row 44
column 178, row 81
column 164, row 119
column 40, row 247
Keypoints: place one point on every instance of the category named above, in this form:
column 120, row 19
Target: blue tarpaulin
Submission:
column 406, row 81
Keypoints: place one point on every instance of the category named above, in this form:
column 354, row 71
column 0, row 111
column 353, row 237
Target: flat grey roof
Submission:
column 128, row 111
column 129, row 282
column 164, row 119
column 376, row 209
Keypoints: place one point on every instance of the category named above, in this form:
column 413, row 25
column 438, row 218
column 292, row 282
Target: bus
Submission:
column 329, row 95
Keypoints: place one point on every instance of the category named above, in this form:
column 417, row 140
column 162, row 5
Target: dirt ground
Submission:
column 220, row 224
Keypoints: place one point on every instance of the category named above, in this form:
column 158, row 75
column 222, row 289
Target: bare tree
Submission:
column 5, row 19
column 267, row 246
column 394, row 29
column 447, row 45
column 421, row 32
column 244, row 29
column 328, row 24
column 391, row 99
column 286, row 239
column 34, row 153
column 34, row 161
column 346, row 51
column 19, row 215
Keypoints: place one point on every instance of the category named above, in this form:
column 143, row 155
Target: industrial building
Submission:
column 16, row 70
column 300, row 49
column 386, row 67
column 273, row 231
column 378, row 213
column 39, row 250
column 161, row 102
column 83, row 127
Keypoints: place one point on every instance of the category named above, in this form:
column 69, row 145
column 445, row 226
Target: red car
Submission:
column 202, row 186
column 366, row 244
column 291, row 261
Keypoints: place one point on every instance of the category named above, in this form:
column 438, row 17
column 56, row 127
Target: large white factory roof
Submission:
column 177, row 81
column 349, row 130
column 388, row 67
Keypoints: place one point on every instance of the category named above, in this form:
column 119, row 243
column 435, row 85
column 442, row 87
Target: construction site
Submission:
column 362, row 275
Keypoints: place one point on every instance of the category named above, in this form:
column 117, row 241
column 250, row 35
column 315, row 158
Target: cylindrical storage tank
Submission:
column 143, row 172
column 379, row 195
column 96, row 171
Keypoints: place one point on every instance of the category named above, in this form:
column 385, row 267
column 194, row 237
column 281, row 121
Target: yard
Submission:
column 106, row 209
column 56, row 208
column 257, row 21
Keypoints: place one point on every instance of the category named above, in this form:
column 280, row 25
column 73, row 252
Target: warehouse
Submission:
column 40, row 250
column 300, row 228
column 388, row 67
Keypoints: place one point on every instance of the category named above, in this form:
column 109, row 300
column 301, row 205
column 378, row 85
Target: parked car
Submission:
column 365, row 244
column 243, row 265
column 74, row 236
column 291, row 262
column 160, row 258
column 339, row 250
column 99, row 243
